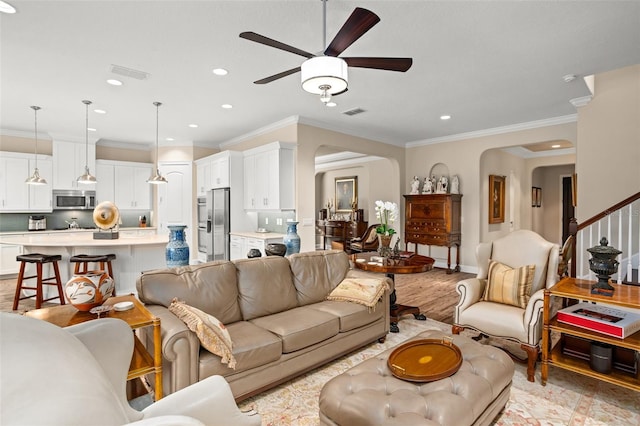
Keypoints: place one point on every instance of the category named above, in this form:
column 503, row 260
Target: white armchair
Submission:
column 514, row 323
column 77, row 376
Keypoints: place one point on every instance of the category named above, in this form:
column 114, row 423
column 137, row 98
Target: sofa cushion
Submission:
column 210, row 287
column 212, row 333
column 363, row 291
column 316, row 273
column 253, row 346
column 351, row 315
column 300, row 327
column 511, row 286
column 265, row 286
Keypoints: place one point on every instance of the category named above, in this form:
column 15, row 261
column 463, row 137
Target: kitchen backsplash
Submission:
column 18, row 222
column 275, row 221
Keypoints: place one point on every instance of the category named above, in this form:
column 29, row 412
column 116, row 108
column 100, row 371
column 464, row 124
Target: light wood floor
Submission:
column 433, row 291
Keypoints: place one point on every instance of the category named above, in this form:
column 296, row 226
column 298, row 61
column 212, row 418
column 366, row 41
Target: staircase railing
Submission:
column 620, row 224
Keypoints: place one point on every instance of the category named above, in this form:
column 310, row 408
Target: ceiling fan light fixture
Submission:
column 324, row 73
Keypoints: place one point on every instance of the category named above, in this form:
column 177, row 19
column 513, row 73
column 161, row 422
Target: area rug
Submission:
column 567, row 399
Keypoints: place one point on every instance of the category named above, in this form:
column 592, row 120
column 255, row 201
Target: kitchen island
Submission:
column 135, row 252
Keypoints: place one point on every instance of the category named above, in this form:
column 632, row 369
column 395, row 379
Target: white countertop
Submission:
column 258, row 235
column 82, row 239
column 67, row 231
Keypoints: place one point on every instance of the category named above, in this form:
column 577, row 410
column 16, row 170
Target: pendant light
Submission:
column 86, row 177
column 35, row 179
column 157, row 178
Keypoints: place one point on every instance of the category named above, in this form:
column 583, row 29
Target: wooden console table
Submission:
column 434, row 220
column 142, row 362
column 340, row 230
column 552, row 354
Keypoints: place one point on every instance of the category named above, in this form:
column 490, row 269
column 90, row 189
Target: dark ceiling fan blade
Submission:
column 277, row 76
column 250, row 35
column 360, row 21
column 389, row 64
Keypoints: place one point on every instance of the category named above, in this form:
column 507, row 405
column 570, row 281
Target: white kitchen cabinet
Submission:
column 105, row 187
column 69, row 161
column 15, row 194
column 125, row 184
column 269, row 177
column 203, row 176
column 8, row 263
column 237, row 247
column 222, row 170
column 40, row 196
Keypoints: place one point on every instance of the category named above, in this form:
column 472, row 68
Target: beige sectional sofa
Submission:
column 275, row 310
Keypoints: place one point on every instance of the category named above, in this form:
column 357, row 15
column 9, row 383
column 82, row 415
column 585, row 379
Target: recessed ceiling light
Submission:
column 555, row 146
column 91, row 129
column 220, row 71
column 331, row 104
column 445, row 117
column 114, row 82
column 6, row 7
column 170, row 139
column 193, row 125
column 99, row 111
column 226, row 106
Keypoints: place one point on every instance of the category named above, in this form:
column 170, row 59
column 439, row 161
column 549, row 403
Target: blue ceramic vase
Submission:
column 292, row 239
column 177, row 253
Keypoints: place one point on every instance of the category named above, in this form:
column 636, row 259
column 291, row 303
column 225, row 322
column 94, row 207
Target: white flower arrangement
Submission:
column 387, row 213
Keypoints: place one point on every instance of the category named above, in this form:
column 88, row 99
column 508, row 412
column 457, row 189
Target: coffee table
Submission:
column 142, row 361
column 411, row 265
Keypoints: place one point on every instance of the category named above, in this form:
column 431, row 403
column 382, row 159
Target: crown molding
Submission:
column 125, row 145
column 522, row 152
column 497, row 130
column 75, row 139
column 342, row 160
column 259, row 131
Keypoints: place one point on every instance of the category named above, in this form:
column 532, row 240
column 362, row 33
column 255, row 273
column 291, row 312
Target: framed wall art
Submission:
column 346, row 194
column 496, row 198
column 536, row 196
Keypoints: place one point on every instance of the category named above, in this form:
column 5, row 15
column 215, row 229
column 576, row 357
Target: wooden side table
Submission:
column 142, row 362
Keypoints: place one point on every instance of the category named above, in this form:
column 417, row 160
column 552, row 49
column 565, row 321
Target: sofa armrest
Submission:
column 470, row 291
column 168, row 421
column 209, row 401
column 180, row 349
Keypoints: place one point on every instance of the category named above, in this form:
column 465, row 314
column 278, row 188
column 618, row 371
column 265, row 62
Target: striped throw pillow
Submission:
column 511, row 286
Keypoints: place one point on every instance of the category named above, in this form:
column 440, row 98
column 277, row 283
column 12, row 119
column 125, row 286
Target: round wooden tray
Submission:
column 425, row 360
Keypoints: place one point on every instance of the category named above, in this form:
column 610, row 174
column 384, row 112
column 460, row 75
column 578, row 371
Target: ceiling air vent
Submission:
column 128, row 72
column 353, row 111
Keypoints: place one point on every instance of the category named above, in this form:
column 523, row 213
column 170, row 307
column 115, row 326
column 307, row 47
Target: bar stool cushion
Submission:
column 38, row 258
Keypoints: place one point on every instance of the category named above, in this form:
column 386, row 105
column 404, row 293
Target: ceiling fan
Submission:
column 326, row 74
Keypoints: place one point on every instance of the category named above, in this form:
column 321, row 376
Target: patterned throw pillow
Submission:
column 212, row 333
column 364, row 291
column 511, row 286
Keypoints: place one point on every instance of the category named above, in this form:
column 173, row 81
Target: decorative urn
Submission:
column 86, row 291
column 604, row 264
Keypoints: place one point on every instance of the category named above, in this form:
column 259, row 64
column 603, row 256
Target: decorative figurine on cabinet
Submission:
column 415, row 186
column 428, row 186
column 455, row 185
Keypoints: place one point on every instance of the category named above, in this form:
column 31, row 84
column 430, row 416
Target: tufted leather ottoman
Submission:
column 368, row 394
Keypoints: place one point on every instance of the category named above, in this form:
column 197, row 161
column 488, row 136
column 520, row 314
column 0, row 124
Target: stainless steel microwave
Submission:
column 74, row 199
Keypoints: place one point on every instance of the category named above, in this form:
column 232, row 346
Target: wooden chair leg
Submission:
column 16, row 298
column 532, row 358
column 39, row 286
column 58, row 283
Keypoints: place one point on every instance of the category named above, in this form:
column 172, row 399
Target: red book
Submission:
column 602, row 319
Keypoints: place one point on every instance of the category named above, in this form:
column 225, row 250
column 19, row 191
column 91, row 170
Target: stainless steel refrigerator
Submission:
column 217, row 226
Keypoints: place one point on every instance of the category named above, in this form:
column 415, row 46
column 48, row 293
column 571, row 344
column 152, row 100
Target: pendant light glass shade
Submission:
column 35, row 179
column 157, row 178
column 86, row 177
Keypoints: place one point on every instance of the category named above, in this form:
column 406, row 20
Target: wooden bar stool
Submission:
column 39, row 260
column 82, row 263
